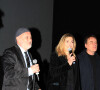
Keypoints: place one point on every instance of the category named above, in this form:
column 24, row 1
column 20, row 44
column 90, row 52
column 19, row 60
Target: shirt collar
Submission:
column 22, row 50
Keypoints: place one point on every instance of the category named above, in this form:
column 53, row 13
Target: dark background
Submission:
column 78, row 18
column 48, row 21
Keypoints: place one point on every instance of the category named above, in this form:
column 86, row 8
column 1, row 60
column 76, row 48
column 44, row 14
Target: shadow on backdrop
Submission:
column 36, row 44
column 1, row 15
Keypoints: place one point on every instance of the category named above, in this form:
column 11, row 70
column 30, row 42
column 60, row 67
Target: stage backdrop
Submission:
column 34, row 14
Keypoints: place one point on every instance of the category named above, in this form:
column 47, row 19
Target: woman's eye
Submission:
column 72, row 42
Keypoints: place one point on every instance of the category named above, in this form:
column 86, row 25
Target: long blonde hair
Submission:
column 60, row 47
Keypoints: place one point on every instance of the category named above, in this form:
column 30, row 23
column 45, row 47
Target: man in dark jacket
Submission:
column 89, row 62
column 18, row 74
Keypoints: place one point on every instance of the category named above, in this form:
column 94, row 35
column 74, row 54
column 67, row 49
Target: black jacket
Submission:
column 15, row 71
column 86, row 71
column 58, row 74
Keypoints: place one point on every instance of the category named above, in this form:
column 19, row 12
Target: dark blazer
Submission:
column 86, row 71
column 58, row 74
column 15, row 71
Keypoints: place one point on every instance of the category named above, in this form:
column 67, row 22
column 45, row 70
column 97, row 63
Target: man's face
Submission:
column 91, row 45
column 25, row 40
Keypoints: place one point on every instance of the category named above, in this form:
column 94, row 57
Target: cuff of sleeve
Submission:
column 30, row 72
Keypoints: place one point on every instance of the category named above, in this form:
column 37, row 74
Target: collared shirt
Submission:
column 30, row 72
column 29, row 69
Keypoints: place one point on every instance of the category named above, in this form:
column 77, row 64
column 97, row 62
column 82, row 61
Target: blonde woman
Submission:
column 63, row 69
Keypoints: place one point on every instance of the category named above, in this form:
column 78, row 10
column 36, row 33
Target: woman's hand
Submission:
column 71, row 59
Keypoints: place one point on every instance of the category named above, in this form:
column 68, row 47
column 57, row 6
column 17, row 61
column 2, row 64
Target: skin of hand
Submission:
column 35, row 68
column 71, row 59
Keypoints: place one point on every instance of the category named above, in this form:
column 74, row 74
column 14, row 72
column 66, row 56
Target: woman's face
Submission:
column 69, row 43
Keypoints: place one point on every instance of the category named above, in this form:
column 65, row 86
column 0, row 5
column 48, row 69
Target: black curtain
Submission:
column 77, row 18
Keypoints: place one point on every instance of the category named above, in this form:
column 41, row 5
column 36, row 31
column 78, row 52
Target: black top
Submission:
column 93, row 63
column 89, row 71
column 62, row 76
column 70, row 79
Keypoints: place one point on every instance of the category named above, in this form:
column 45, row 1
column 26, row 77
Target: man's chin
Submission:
column 30, row 46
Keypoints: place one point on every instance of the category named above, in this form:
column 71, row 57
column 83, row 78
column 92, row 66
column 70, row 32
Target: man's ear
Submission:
column 18, row 39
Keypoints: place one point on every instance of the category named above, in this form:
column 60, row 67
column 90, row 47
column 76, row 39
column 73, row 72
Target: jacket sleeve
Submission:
column 58, row 65
column 11, row 67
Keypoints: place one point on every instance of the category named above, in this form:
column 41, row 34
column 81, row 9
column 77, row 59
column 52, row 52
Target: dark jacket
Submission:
column 15, row 71
column 86, row 71
column 58, row 78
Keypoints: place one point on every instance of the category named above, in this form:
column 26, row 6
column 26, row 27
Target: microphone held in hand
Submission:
column 35, row 62
column 70, row 52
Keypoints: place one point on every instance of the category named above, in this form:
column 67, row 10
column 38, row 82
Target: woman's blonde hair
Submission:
column 60, row 47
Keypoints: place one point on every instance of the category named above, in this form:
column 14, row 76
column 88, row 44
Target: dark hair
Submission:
column 88, row 36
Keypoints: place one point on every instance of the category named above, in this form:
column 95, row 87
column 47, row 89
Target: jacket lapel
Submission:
column 20, row 56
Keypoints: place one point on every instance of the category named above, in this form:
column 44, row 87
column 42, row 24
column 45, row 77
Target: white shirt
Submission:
column 29, row 69
column 30, row 72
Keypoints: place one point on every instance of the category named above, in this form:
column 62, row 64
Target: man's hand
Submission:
column 35, row 68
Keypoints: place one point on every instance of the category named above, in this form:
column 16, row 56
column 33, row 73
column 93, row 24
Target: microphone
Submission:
column 70, row 51
column 35, row 62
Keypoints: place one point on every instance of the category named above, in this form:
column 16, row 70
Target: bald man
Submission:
column 19, row 69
